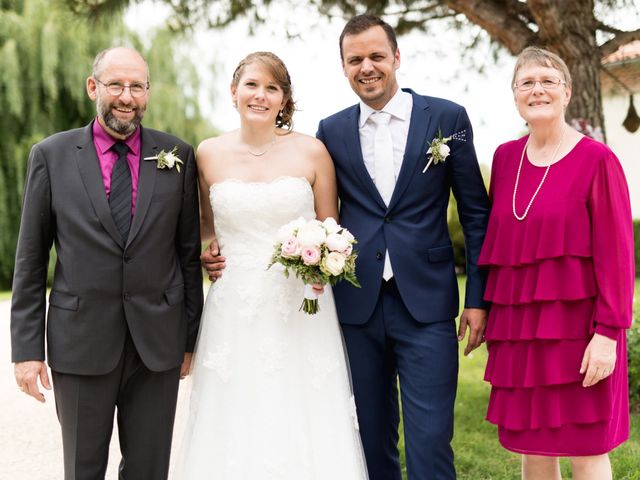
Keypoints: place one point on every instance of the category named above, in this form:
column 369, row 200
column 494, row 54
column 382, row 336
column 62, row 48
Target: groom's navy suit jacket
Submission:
column 413, row 228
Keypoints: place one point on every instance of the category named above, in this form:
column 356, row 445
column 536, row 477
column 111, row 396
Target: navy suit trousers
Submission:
column 393, row 346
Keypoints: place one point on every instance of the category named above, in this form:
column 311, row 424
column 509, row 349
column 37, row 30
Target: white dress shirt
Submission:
column 399, row 107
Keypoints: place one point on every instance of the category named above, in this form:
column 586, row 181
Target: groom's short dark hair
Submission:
column 360, row 23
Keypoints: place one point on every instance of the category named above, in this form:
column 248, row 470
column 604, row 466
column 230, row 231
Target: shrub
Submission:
column 636, row 241
column 633, row 353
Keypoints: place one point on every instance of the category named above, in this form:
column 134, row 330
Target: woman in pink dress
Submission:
column 559, row 249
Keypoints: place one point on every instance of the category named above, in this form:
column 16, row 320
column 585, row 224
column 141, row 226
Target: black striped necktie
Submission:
column 120, row 195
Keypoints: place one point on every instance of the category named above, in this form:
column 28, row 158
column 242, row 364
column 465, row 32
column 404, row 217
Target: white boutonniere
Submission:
column 439, row 150
column 167, row 159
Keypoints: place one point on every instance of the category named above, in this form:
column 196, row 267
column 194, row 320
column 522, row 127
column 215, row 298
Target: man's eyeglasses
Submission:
column 546, row 83
column 116, row 89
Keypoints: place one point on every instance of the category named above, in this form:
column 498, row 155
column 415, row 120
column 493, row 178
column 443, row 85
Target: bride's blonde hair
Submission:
column 280, row 74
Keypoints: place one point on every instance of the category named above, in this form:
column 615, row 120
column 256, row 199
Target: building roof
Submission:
column 621, row 75
column 625, row 53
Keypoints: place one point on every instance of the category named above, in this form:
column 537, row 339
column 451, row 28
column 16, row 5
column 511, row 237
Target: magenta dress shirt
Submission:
column 107, row 158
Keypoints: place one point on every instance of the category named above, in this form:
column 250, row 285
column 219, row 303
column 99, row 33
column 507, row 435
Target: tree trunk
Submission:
column 568, row 28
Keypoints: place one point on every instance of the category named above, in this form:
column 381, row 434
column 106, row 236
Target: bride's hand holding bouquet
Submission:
column 318, row 253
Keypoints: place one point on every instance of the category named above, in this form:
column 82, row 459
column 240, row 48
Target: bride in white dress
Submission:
column 271, row 395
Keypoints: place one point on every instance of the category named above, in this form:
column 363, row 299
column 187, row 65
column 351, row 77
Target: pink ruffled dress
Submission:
column 563, row 273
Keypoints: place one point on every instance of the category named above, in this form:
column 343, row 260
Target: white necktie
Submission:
column 383, row 156
column 383, row 169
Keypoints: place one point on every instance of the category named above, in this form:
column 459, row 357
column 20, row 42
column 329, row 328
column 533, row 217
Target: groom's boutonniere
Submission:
column 167, row 159
column 439, row 150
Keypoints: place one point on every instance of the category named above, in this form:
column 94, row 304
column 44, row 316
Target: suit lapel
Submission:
column 352, row 141
column 415, row 151
column 146, row 181
column 89, row 167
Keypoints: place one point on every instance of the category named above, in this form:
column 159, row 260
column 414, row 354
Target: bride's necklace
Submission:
column 515, row 186
column 259, row 154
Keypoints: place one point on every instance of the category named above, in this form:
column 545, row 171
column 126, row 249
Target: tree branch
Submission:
column 504, row 21
column 616, row 42
column 603, row 27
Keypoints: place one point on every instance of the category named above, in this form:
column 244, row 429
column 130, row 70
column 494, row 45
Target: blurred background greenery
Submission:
column 46, row 54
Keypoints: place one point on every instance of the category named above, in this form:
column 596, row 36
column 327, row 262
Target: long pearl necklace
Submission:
column 259, row 154
column 515, row 186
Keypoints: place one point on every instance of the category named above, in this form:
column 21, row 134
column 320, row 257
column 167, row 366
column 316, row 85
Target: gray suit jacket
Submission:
column 151, row 286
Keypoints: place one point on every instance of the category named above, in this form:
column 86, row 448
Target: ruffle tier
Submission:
column 559, row 278
column 541, row 320
column 562, row 231
column 573, row 439
column 550, row 406
column 538, row 363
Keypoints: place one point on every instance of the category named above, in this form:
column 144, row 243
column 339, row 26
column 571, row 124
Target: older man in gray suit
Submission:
column 120, row 203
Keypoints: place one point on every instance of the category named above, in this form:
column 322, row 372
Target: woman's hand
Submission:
column 599, row 360
column 318, row 288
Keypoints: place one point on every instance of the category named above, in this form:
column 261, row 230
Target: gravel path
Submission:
column 30, row 442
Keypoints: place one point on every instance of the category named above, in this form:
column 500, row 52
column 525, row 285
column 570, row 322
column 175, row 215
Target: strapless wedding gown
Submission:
column 271, row 395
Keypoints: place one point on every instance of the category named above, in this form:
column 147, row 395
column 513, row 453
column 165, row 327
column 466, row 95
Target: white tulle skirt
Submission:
column 271, row 395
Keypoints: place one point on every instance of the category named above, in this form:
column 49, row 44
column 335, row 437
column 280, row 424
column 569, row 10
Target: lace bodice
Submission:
column 247, row 215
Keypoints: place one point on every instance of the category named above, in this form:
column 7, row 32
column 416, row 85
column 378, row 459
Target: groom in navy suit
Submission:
column 401, row 322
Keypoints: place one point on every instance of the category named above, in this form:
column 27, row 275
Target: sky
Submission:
column 431, row 64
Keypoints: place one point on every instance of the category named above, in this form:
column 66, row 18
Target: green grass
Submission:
column 5, row 296
column 479, row 455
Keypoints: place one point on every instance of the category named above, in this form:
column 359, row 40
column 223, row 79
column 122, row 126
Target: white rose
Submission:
column 334, row 263
column 331, row 225
column 312, row 234
column 170, row 159
column 444, row 150
column 337, row 243
column 287, row 231
column 347, row 235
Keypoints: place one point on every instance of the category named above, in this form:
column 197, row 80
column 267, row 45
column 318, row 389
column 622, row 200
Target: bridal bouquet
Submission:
column 318, row 253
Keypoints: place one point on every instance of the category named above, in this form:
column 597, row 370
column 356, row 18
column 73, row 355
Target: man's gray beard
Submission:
column 123, row 128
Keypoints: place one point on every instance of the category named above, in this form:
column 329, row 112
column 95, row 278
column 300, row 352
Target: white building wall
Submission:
column 625, row 145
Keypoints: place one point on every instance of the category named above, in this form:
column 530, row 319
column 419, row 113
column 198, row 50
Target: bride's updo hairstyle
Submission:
column 280, row 74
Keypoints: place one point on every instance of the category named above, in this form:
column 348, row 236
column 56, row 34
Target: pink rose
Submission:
column 310, row 255
column 290, row 248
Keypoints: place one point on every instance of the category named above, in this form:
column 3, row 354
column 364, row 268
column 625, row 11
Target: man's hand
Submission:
column 476, row 320
column 599, row 360
column 212, row 261
column 27, row 374
column 185, row 368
